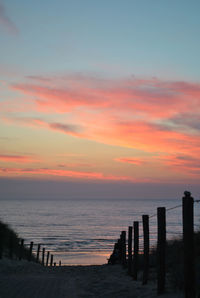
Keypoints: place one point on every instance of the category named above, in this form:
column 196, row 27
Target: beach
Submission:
column 30, row 280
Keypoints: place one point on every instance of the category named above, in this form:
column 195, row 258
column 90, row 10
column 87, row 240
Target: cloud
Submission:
column 130, row 160
column 6, row 22
column 16, row 158
column 65, row 173
column 144, row 114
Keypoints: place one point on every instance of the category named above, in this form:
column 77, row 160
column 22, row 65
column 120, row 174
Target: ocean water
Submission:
column 84, row 231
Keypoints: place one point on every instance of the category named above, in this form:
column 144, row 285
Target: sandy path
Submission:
column 27, row 280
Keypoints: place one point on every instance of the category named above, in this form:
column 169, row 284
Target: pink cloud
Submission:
column 130, row 160
column 66, row 173
column 16, row 158
column 6, row 22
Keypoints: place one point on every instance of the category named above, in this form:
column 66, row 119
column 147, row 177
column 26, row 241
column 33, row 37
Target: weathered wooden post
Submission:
column 59, row 263
column 135, row 249
column 38, row 253
column 123, row 239
column 130, row 232
column 21, row 250
column 188, row 243
column 30, row 251
column 47, row 260
column 145, row 221
column 51, row 263
column 43, row 254
column 161, row 244
column 54, row 264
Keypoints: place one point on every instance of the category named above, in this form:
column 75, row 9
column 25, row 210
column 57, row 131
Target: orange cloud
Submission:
column 66, row 173
column 16, row 158
column 130, row 160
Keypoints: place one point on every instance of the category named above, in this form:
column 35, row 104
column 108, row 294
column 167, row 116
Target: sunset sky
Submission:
column 99, row 98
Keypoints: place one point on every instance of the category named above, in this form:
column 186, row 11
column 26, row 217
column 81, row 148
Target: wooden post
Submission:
column 47, row 260
column 43, row 254
column 130, row 232
column 59, row 263
column 30, row 251
column 135, row 249
column 145, row 221
column 21, row 250
column 54, row 264
column 38, row 253
column 161, row 244
column 51, row 263
column 188, row 243
column 123, row 239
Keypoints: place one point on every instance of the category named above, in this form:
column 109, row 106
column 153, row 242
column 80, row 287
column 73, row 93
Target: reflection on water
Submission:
column 84, row 231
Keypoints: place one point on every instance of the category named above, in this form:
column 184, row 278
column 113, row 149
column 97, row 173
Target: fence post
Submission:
column 130, row 232
column 161, row 244
column 47, row 260
column 21, row 249
column 123, row 239
column 145, row 221
column 136, row 249
column 188, row 243
column 30, row 251
column 38, row 253
column 43, row 254
column 51, row 263
column 59, row 263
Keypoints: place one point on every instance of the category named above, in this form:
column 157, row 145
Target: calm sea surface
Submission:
column 84, row 231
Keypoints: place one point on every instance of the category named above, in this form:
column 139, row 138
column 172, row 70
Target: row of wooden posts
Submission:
column 49, row 261
column 130, row 260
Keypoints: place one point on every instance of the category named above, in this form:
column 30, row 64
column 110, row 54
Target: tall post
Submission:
column 188, row 243
column 161, row 244
column 123, row 237
column 43, row 254
column 47, row 260
column 51, row 263
column 135, row 249
column 145, row 221
column 30, row 251
column 38, row 253
column 21, row 250
column 59, row 263
column 130, row 232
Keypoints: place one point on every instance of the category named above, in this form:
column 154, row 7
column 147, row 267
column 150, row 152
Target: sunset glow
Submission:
column 76, row 113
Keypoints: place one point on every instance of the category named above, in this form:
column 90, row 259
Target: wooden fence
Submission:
column 131, row 261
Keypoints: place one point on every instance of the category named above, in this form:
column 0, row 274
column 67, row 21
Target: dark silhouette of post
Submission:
column 59, row 263
column 54, row 264
column 145, row 221
column 43, row 254
column 130, row 232
column 188, row 243
column 123, row 240
column 47, row 260
column 21, row 250
column 135, row 249
column 30, row 251
column 38, row 253
column 51, row 263
column 161, row 244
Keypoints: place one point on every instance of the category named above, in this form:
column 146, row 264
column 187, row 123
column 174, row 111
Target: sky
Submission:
column 99, row 98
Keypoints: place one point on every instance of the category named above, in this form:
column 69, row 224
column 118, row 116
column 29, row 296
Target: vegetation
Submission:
column 10, row 243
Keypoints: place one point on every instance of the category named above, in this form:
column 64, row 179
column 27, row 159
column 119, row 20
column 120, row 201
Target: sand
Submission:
column 27, row 280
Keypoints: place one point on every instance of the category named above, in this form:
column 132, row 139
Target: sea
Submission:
column 83, row 231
